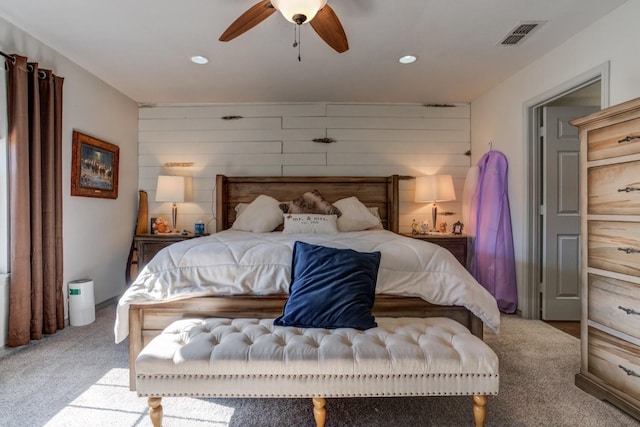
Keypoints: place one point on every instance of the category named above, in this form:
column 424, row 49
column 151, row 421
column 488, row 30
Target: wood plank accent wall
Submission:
column 277, row 140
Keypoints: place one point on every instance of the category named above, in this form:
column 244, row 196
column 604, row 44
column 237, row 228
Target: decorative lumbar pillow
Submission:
column 310, row 202
column 331, row 288
column 355, row 215
column 260, row 216
column 310, row 223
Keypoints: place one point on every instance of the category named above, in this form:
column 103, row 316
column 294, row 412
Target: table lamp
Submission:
column 171, row 189
column 432, row 189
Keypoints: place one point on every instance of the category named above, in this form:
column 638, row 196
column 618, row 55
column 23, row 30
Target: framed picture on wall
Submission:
column 94, row 167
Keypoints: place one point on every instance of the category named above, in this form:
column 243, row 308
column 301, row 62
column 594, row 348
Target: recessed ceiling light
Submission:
column 199, row 59
column 407, row 59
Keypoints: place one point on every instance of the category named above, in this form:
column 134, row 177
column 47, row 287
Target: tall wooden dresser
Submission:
column 610, row 233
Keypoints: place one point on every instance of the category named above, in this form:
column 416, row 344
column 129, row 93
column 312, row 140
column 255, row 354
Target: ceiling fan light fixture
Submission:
column 298, row 11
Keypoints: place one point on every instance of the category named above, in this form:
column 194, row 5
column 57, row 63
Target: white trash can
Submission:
column 82, row 306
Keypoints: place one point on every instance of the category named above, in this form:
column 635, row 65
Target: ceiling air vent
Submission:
column 522, row 30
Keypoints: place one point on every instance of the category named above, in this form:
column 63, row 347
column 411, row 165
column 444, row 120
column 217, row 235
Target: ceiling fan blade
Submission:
column 329, row 28
column 252, row 17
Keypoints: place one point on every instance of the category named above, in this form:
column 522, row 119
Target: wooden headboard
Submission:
column 380, row 192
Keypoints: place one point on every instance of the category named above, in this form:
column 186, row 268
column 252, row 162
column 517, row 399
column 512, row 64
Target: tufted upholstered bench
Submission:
column 221, row 357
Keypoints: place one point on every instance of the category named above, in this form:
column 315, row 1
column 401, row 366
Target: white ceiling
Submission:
column 142, row 47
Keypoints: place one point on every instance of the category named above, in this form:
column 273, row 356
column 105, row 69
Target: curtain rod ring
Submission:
column 41, row 74
column 12, row 58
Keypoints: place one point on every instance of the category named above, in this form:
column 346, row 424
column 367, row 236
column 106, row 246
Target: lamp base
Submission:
column 434, row 218
column 174, row 217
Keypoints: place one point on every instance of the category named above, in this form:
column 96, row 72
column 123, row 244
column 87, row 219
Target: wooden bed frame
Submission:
column 147, row 320
column 380, row 192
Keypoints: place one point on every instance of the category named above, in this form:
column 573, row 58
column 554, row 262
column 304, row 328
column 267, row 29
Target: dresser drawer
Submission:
column 151, row 249
column 616, row 140
column 458, row 249
column 614, row 189
column 148, row 245
column 614, row 246
column 615, row 303
column 615, row 362
column 456, row 244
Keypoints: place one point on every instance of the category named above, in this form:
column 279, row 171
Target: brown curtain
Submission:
column 34, row 106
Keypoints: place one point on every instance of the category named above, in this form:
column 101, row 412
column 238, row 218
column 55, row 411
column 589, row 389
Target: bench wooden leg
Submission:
column 155, row 411
column 319, row 412
column 480, row 409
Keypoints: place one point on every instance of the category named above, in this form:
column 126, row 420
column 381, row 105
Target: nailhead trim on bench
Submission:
column 259, row 376
column 204, row 376
column 307, row 395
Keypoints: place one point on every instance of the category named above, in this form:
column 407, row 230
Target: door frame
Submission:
column 531, row 302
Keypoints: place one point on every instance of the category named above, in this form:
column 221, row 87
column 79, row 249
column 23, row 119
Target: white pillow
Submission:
column 260, row 216
column 376, row 212
column 355, row 216
column 240, row 207
column 310, row 224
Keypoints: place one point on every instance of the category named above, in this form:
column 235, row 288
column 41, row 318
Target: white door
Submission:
column 560, row 213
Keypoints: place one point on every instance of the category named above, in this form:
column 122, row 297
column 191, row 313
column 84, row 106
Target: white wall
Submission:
column 97, row 232
column 276, row 139
column 498, row 115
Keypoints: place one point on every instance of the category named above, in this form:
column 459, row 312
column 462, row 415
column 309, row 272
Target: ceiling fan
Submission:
column 316, row 12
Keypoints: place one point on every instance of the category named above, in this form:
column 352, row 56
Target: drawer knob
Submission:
column 627, row 139
column 628, row 310
column 628, row 189
column 628, row 371
column 629, row 250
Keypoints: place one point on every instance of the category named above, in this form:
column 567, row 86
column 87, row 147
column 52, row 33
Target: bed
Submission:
column 143, row 317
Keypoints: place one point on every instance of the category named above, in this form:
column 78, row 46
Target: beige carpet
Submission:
column 79, row 377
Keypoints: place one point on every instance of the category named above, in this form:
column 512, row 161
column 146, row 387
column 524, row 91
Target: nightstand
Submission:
column 457, row 244
column 147, row 245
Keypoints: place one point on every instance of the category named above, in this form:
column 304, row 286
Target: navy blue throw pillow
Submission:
column 331, row 288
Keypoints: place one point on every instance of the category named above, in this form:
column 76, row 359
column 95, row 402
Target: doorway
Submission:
column 559, row 169
column 552, row 281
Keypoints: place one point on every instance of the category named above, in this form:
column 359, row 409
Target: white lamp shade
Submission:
column 170, row 189
column 291, row 8
column 434, row 188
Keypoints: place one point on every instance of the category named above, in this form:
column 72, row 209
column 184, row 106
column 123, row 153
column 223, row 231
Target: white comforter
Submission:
column 236, row 262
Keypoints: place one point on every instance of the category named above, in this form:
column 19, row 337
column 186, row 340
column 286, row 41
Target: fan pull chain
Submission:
column 299, row 42
column 296, row 40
